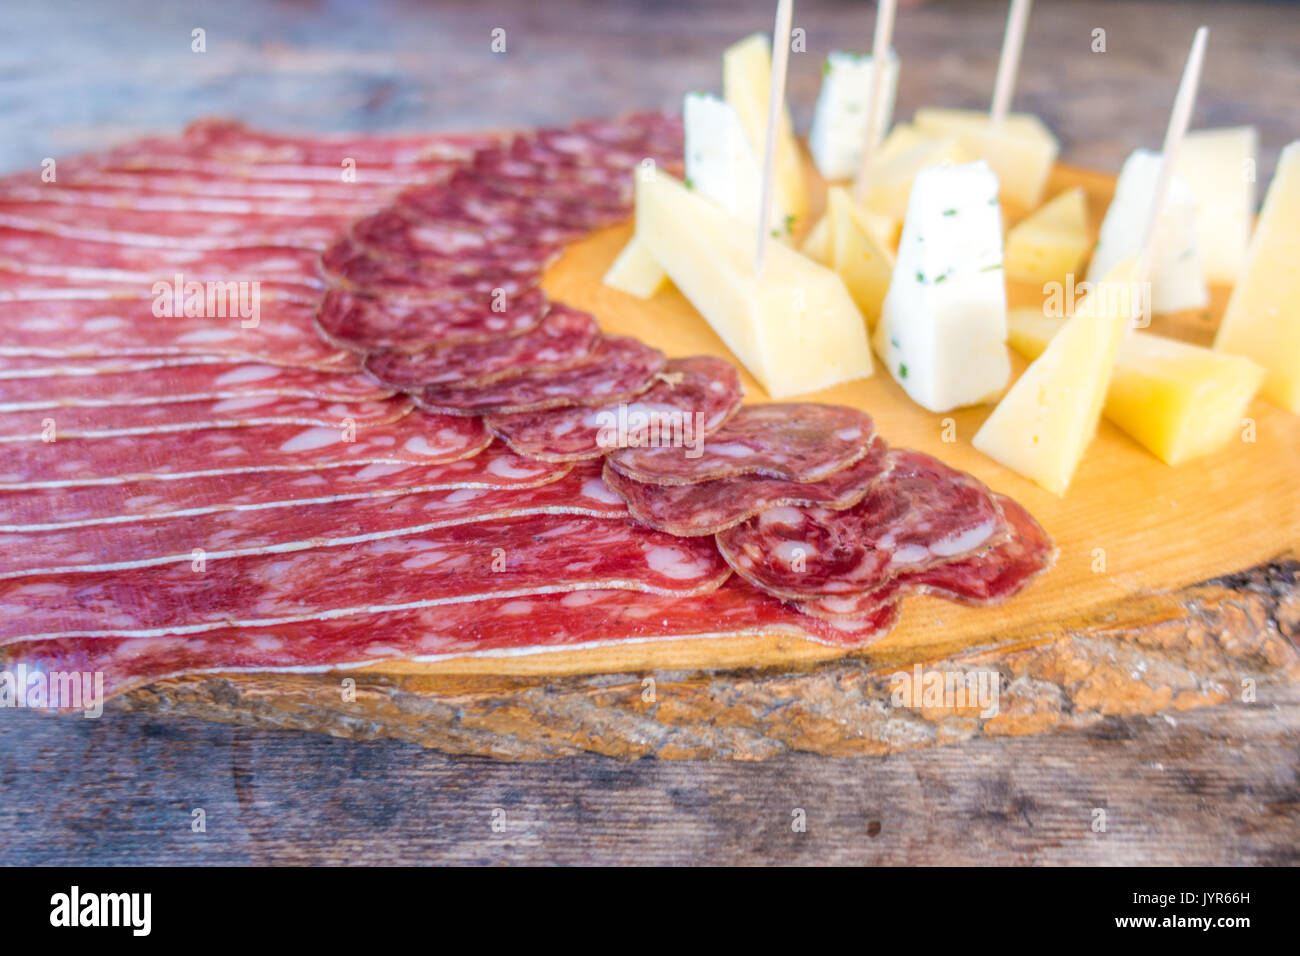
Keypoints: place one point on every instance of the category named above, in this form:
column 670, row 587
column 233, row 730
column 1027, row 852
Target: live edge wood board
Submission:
column 1175, row 588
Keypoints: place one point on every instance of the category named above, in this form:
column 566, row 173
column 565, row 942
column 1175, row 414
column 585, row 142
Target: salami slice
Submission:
column 511, row 269
column 218, row 535
column 564, row 336
column 173, row 186
column 530, row 624
column 789, row 441
column 366, row 322
column 690, row 400
column 516, row 556
column 414, row 439
column 101, row 383
column 921, row 513
column 466, row 200
column 708, row 507
column 72, row 421
column 441, row 237
column 618, row 368
column 40, row 509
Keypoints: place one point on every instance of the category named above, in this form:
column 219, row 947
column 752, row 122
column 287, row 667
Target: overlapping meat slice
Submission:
column 437, row 227
column 708, row 507
column 789, row 441
column 367, row 322
column 564, row 337
column 690, row 400
column 451, row 565
column 511, row 269
column 919, row 514
column 222, row 137
column 617, row 368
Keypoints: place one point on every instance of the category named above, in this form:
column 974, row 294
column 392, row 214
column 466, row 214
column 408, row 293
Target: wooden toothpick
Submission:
column 879, row 55
column 1009, row 62
column 776, row 97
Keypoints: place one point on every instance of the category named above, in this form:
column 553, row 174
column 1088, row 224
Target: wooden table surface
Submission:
column 1217, row 785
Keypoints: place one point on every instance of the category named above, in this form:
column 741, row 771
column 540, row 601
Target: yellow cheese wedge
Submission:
column 1262, row 321
column 747, row 86
column 1045, row 422
column 1219, row 167
column 883, row 230
column 1051, row 243
column 890, row 178
column 863, row 262
column 1021, row 150
column 817, row 244
column 795, row 327
column 635, row 272
column 1180, row 401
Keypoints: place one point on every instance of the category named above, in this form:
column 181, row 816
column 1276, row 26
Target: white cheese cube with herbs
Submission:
column 839, row 126
column 1218, row 166
column 1175, row 273
column 721, row 162
column 943, row 328
column 794, row 326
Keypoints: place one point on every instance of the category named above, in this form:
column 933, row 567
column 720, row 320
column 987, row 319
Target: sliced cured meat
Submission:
column 29, row 367
column 226, row 534
column 689, row 401
column 110, row 199
column 100, row 383
column 365, row 322
column 74, row 421
column 919, row 514
column 121, row 502
column 414, row 439
column 467, row 200
column 279, row 333
column 511, row 269
column 496, row 627
column 618, row 368
column 516, row 556
column 413, row 235
column 564, row 336
column 791, row 441
column 172, row 186
column 708, row 507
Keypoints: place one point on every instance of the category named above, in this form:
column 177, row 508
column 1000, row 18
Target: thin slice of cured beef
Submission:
column 73, row 421
column 617, row 369
column 98, row 384
column 708, row 507
column 564, row 336
column 689, row 401
column 921, row 513
column 38, row 509
column 531, row 624
column 792, row 441
column 416, row 438
column 218, row 535
column 365, row 322
column 516, row 556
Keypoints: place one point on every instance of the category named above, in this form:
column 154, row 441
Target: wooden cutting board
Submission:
column 1119, row 626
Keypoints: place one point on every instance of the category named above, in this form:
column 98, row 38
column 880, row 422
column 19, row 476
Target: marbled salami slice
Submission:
column 689, row 401
column 414, row 439
column 708, row 507
column 413, row 235
column 564, row 336
column 468, row 201
column 617, row 368
column 121, row 502
column 919, row 514
column 76, row 421
column 792, row 441
column 531, row 624
column 516, row 556
column 511, row 269
column 366, row 322
column 173, row 186
column 218, row 535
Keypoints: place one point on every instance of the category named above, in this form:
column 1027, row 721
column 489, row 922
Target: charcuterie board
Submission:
column 1124, row 623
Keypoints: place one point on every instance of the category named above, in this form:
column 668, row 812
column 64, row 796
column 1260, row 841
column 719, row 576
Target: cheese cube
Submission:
column 1021, row 149
column 1177, row 279
column 1218, row 166
column 1262, row 321
column 1043, row 424
column 721, row 162
column 746, row 85
column 794, row 326
column 817, row 244
column 839, row 126
column 864, row 263
column 1051, row 243
column 635, row 272
column 1180, row 401
column 882, row 229
column 889, row 180
column 943, row 329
